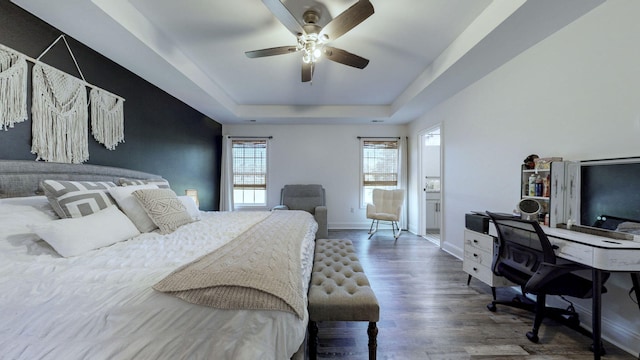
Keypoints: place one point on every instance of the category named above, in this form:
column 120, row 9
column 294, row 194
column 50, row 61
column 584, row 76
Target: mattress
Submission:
column 101, row 305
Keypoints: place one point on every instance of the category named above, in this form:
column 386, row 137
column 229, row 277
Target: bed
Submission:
column 120, row 301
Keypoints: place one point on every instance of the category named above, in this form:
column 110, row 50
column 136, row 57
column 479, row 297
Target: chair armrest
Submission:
column 321, row 212
column 321, row 218
column 548, row 272
column 371, row 209
column 280, row 207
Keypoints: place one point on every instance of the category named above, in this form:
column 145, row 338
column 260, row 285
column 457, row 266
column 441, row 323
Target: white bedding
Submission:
column 100, row 305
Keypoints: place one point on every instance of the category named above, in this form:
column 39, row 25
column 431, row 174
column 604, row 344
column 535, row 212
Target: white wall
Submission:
column 318, row 154
column 574, row 95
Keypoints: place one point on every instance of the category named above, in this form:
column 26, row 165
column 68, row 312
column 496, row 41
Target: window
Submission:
column 379, row 166
column 249, row 172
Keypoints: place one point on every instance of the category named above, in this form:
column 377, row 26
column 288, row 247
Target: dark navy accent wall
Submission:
column 162, row 134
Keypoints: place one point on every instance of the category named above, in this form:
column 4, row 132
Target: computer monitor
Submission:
column 609, row 192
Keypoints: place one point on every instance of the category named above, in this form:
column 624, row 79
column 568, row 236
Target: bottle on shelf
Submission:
column 532, row 185
column 546, row 182
column 538, row 186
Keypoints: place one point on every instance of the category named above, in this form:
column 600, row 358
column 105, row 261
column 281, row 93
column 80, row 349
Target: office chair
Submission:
column 524, row 255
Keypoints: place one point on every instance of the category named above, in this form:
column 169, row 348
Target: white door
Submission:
column 430, row 164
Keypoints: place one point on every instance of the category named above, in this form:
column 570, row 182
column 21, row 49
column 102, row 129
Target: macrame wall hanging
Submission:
column 59, row 116
column 13, row 87
column 107, row 118
column 59, row 107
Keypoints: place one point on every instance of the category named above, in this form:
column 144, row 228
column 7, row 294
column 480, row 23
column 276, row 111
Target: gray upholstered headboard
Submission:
column 22, row 177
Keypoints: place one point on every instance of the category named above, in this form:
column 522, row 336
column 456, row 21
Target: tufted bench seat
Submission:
column 340, row 291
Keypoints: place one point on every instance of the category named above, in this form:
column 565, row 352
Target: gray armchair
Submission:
column 310, row 198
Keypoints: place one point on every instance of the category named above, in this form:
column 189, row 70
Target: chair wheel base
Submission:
column 492, row 307
column 533, row 337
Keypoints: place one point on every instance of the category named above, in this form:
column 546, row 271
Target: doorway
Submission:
column 430, row 184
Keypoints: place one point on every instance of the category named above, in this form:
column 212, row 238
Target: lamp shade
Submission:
column 193, row 193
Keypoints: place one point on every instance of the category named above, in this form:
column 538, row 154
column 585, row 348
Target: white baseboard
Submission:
column 349, row 226
column 454, row 250
column 360, row 226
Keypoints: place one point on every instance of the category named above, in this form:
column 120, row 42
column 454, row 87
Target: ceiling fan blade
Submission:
column 345, row 57
column 284, row 15
column 271, row 51
column 346, row 21
column 307, row 72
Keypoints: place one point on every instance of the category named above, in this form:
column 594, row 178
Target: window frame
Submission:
column 361, row 181
column 255, row 206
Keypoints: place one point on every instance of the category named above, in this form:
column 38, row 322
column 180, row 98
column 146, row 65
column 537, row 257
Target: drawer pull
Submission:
column 475, row 269
column 475, row 241
column 475, row 255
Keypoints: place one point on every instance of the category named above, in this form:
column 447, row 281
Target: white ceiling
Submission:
column 420, row 51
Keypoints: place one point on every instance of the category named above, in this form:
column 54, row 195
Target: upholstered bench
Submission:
column 340, row 291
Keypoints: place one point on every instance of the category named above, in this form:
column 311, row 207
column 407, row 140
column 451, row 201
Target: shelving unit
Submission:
column 545, row 177
column 550, row 173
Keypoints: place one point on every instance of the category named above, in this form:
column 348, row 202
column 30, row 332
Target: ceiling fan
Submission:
column 313, row 39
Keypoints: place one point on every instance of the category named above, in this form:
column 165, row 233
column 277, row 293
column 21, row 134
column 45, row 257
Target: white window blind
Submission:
column 380, row 163
column 379, row 166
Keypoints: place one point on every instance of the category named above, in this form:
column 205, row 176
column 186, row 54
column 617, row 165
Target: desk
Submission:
column 601, row 254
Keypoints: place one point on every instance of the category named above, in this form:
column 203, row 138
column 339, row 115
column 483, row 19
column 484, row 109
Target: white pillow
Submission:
column 74, row 236
column 14, row 231
column 191, row 206
column 131, row 206
column 39, row 202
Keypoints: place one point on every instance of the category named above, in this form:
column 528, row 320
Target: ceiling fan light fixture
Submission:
column 313, row 39
column 311, row 52
column 317, row 53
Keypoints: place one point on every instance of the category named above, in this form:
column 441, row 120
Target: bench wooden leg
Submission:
column 313, row 340
column 372, row 331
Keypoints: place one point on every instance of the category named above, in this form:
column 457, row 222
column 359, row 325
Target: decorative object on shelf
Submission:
column 59, row 116
column 13, row 88
column 107, row 118
column 529, row 209
column 529, row 161
column 545, row 163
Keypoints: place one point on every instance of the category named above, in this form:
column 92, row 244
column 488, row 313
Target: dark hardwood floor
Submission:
column 428, row 312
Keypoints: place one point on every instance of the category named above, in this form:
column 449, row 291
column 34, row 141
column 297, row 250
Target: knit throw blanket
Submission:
column 260, row 269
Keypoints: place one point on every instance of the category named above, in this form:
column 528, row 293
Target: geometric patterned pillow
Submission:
column 74, row 199
column 164, row 208
column 162, row 183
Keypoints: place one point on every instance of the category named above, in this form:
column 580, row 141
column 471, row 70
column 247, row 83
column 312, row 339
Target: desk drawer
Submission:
column 484, row 274
column 480, row 272
column 479, row 241
column 478, row 256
